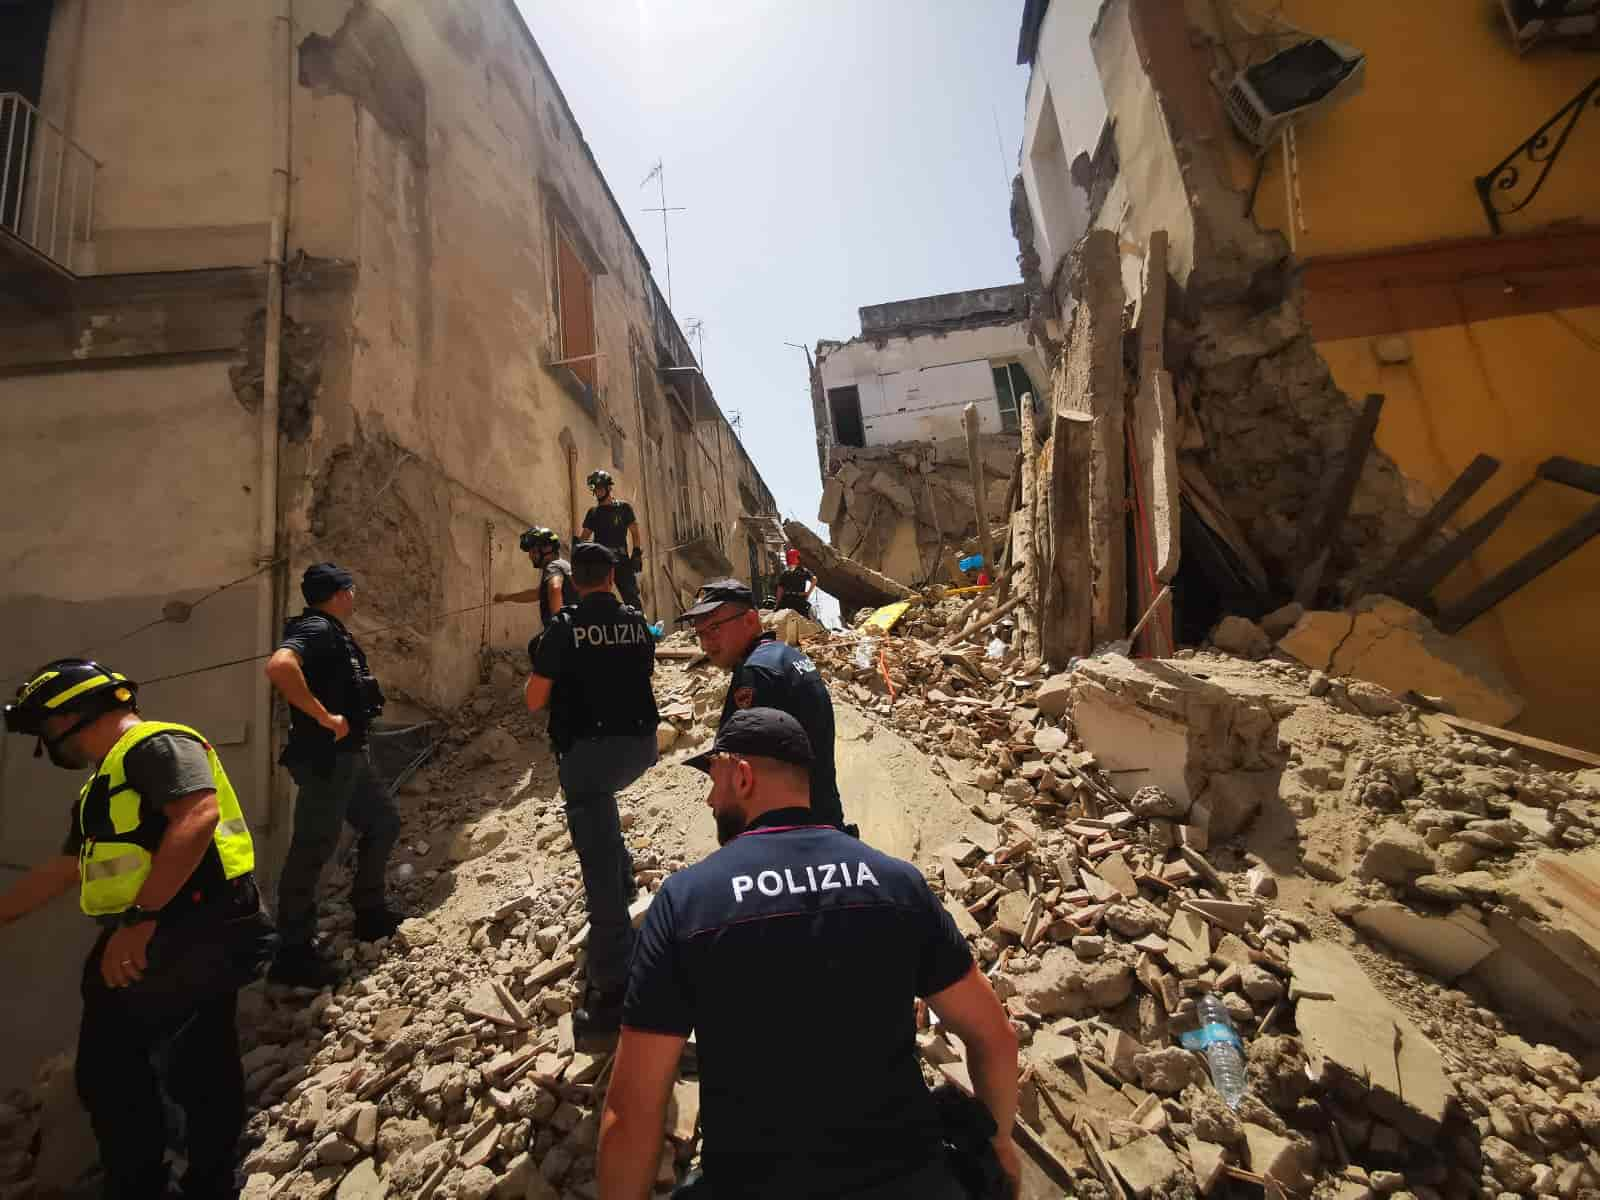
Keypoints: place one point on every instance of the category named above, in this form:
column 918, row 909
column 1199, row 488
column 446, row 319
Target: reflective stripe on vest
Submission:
column 112, row 870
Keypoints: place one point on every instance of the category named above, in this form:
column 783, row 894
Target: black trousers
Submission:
column 628, row 583
column 340, row 789
column 177, row 1027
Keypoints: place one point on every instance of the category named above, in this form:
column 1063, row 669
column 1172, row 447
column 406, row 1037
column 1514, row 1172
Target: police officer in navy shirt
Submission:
column 794, row 954
column 768, row 673
column 592, row 666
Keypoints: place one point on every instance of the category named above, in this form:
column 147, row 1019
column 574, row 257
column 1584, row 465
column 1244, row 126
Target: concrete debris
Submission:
column 1387, row 643
column 1146, row 1165
column 1241, row 636
column 1125, row 836
column 1362, row 1047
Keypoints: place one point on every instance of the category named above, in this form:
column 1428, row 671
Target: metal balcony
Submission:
column 46, row 190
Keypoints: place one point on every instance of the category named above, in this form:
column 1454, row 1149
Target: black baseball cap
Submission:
column 322, row 580
column 761, row 733
column 594, row 554
column 717, row 593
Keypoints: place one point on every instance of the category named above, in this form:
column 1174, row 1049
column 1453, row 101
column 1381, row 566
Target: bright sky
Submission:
column 830, row 154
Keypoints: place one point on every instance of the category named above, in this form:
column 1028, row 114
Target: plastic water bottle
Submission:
column 866, row 655
column 1219, row 1041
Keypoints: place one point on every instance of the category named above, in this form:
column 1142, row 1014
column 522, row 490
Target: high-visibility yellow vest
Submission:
column 117, row 850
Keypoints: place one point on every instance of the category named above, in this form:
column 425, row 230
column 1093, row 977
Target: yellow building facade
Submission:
column 1482, row 340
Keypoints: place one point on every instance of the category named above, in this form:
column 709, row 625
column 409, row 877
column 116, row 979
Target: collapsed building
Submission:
column 282, row 283
column 898, row 494
column 1322, row 348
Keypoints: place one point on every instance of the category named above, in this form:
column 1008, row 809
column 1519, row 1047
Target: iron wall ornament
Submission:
column 1498, row 191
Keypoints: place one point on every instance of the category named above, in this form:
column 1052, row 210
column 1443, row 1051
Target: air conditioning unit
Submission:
column 1535, row 21
column 1310, row 75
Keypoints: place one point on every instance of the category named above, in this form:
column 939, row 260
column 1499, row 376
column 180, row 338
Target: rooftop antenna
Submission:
column 1000, row 145
column 660, row 176
column 695, row 327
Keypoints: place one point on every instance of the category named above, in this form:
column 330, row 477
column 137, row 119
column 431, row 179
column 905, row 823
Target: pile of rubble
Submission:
column 1137, row 834
column 1112, row 874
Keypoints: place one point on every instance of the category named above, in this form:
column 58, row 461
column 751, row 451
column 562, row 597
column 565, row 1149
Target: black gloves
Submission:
column 636, row 560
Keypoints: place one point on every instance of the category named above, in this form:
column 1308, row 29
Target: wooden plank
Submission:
column 1092, row 384
column 1318, row 536
column 1425, row 576
column 969, row 420
column 1066, row 622
column 1023, row 541
column 1521, row 573
column 1462, row 489
column 1155, row 417
column 1583, row 758
column 1570, row 471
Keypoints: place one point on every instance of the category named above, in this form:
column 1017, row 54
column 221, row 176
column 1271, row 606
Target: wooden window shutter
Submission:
column 577, row 311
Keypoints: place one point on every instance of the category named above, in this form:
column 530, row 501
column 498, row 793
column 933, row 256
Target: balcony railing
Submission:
column 46, row 182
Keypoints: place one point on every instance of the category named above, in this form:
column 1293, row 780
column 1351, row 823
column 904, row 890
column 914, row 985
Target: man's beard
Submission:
column 730, row 824
column 62, row 756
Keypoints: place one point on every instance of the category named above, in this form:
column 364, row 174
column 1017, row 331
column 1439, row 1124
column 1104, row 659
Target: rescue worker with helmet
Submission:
column 163, row 860
column 612, row 524
column 543, row 549
column 592, row 669
column 768, row 673
column 795, row 585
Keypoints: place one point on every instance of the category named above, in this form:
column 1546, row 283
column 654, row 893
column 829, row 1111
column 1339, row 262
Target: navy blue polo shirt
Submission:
column 776, row 675
column 794, row 953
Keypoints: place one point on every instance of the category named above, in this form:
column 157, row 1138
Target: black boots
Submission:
column 304, row 966
column 375, row 923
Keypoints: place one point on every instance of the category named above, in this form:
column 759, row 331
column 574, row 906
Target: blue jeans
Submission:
column 592, row 772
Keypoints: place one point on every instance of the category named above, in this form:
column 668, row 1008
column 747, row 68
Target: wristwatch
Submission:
column 134, row 915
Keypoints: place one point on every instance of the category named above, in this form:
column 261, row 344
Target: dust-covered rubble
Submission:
column 1104, row 887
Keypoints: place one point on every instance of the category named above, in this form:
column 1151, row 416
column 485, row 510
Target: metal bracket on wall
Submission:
column 1539, row 149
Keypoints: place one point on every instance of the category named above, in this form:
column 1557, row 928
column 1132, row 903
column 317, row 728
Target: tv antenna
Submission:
column 660, row 176
column 695, row 327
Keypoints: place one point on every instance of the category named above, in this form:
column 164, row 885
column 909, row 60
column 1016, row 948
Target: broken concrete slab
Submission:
column 1146, row 1165
column 1448, row 947
column 1547, row 962
column 1188, row 942
column 1387, row 643
column 1205, row 1158
column 1361, row 1045
column 1274, row 1156
column 854, row 585
column 1152, row 723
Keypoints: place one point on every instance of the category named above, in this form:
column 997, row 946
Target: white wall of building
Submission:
column 1066, row 111
column 913, row 389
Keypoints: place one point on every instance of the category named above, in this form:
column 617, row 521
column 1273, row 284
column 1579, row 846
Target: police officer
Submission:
column 794, row 954
column 795, row 585
column 320, row 670
column 768, row 673
column 592, row 668
column 543, row 549
column 611, row 523
column 162, row 857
